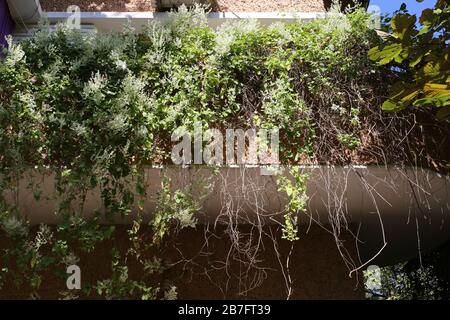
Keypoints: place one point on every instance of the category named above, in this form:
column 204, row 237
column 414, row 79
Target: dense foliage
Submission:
column 119, row 96
column 96, row 109
column 399, row 282
column 419, row 52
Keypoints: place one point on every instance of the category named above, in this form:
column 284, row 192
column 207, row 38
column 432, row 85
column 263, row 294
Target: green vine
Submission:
column 92, row 112
column 295, row 190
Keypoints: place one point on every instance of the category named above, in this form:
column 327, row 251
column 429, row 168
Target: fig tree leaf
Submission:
column 385, row 54
column 403, row 25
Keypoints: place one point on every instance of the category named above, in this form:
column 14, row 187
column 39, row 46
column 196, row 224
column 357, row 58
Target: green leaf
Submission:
column 401, row 96
column 403, row 25
column 386, row 54
column 390, row 105
column 436, row 95
column 427, row 17
column 418, row 56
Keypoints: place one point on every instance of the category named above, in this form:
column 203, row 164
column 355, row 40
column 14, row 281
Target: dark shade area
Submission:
column 6, row 22
column 316, row 268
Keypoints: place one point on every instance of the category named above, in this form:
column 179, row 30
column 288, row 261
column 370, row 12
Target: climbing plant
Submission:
column 92, row 112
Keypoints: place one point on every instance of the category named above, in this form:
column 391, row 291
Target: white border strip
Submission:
column 212, row 15
column 106, row 21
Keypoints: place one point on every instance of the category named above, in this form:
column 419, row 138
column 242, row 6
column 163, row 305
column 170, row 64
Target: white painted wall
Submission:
column 403, row 203
column 107, row 21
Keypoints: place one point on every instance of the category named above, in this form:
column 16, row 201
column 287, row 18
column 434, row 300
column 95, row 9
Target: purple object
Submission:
column 6, row 22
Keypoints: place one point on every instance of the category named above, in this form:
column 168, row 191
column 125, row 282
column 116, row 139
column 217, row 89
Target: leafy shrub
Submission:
column 96, row 109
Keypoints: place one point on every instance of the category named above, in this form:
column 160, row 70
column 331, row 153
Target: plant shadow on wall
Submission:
column 93, row 112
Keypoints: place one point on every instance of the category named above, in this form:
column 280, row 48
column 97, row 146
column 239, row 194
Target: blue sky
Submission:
column 389, row 6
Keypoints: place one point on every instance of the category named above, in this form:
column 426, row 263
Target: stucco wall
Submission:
column 362, row 195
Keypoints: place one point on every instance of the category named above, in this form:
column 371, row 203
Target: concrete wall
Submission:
column 107, row 21
column 390, row 205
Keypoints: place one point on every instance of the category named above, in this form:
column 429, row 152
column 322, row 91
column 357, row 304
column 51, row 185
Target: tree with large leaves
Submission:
column 419, row 53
